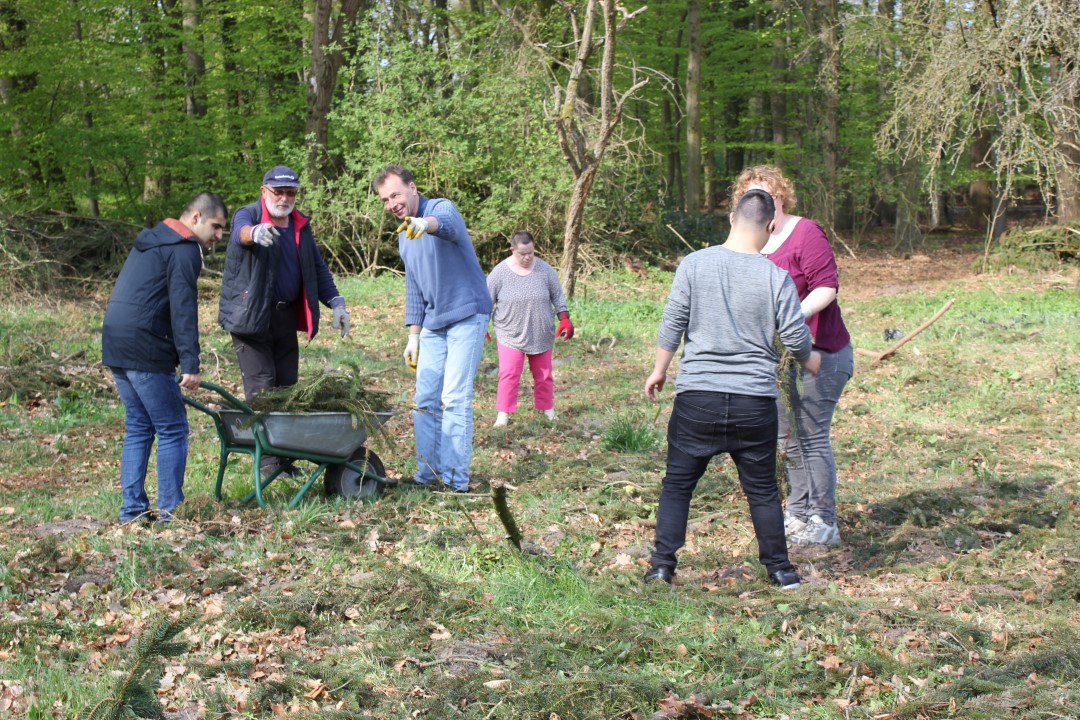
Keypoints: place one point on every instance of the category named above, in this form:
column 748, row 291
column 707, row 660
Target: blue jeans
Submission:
column 703, row 425
column 152, row 406
column 811, row 467
column 443, row 419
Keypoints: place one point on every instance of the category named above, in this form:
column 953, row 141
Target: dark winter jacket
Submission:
column 152, row 321
column 247, row 283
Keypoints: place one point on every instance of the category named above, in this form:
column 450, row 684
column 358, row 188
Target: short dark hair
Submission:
column 755, row 207
column 521, row 237
column 400, row 170
column 207, row 204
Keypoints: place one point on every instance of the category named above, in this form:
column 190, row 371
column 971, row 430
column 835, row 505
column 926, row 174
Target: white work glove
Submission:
column 264, row 234
column 412, row 351
column 413, row 227
column 342, row 320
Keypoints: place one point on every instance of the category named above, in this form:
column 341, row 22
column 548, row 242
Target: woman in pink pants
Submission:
column 526, row 291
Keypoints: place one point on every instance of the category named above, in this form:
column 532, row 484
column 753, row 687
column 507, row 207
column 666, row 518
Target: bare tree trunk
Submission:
column 831, row 120
column 907, row 234
column 1067, row 170
column 693, row 109
column 584, row 154
column 93, row 209
column 194, row 102
column 980, row 191
column 778, row 97
column 327, row 28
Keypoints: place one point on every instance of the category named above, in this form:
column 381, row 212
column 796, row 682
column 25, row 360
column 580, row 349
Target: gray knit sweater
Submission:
column 727, row 308
column 525, row 306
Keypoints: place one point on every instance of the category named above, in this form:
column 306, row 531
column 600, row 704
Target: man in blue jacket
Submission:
column 273, row 282
column 151, row 326
column 447, row 307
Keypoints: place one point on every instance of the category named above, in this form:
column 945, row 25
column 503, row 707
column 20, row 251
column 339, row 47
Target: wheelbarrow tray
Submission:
column 327, row 439
column 330, row 434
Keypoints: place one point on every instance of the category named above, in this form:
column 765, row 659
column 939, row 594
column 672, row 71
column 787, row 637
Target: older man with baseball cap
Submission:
column 273, row 282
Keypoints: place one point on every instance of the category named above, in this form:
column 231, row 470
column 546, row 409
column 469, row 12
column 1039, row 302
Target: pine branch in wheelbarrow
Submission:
column 347, row 389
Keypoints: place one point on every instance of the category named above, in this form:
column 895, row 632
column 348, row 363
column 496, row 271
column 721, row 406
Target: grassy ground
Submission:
column 954, row 593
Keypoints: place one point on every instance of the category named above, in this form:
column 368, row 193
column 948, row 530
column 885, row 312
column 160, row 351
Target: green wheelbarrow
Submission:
column 333, row 441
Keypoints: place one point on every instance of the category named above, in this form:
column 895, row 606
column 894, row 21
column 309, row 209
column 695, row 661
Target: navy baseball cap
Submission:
column 281, row 176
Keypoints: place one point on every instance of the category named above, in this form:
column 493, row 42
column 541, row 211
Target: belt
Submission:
column 282, row 305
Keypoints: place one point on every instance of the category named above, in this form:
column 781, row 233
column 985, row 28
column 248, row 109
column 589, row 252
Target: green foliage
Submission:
column 133, row 695
column 347, row 389
column 1037, row 249
column 630, row 433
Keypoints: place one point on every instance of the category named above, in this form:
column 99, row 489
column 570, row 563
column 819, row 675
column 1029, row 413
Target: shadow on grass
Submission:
column 924, row 526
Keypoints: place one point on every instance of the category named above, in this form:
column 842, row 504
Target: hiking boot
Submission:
column 785, row 579
column 816, row 532
column 502, row 419
column 793, row 525
column 660, row 572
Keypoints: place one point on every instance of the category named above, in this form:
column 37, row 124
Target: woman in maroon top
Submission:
column 800, row 246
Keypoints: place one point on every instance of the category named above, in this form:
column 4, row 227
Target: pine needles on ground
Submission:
column 134, row 695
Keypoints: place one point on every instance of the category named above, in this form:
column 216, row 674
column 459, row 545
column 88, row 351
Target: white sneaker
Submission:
column 502, row 419
column 550, row 413
column 817, row 532
column 793, row 525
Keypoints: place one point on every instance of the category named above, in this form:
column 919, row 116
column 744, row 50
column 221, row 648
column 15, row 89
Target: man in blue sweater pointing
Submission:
column 447, row 307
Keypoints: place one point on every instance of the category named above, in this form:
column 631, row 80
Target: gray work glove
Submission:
column 264, row 234
column 341, row 320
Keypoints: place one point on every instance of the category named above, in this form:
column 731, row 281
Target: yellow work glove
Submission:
column 412, row 351
column 413, row 227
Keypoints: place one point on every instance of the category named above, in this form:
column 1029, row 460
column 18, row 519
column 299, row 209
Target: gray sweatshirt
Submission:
column 728, row 307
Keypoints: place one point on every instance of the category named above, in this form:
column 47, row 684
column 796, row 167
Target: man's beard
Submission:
column 275, row 212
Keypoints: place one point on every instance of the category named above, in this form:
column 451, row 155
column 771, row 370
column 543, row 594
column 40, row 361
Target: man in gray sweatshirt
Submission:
column 726, row 307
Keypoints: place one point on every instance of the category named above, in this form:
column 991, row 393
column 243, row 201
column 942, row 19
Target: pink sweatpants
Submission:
column 511, row 363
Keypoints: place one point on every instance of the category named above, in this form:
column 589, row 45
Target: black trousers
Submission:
column 703, row 425
column 272, row 359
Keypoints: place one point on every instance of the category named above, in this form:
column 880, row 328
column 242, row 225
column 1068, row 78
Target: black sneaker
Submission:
column 785, row 579
column 660, row 572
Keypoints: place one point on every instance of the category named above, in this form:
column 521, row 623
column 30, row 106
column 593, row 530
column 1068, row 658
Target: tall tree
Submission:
column 332, row 21
column 584, row 154
column 693, row 107
column 1015, row 71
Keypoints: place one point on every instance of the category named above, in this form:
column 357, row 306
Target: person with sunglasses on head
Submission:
column 272, row 285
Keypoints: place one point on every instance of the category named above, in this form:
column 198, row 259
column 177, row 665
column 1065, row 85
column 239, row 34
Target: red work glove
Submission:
column 566, row 328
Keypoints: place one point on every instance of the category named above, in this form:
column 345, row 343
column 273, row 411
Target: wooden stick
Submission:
column 502, row 509
column 680, row 237
column 878, row 357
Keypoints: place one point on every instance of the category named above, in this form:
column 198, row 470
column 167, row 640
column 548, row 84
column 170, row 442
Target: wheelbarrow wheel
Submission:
column 343, row 481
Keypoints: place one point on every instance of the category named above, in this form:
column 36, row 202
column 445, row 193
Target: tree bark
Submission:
column 93, row 209
column 194, row 101
column 693, row 109
column 582, row 153
column 778, row 97
column 831, row 110
column 327, row 27
column 1067, row 170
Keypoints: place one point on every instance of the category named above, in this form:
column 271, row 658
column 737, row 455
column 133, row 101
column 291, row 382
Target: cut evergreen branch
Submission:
column 135, row 693
column 502, row 509
column 327, row 390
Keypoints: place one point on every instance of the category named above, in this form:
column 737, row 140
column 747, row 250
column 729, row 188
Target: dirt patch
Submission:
column 66, row 528
column 876, row 272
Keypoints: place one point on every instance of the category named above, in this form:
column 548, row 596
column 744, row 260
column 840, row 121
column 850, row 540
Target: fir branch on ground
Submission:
column 134, row 695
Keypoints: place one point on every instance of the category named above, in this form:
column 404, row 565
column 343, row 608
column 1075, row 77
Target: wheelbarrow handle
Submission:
column 228, row 396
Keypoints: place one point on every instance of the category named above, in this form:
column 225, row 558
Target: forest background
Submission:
column 593, row 124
